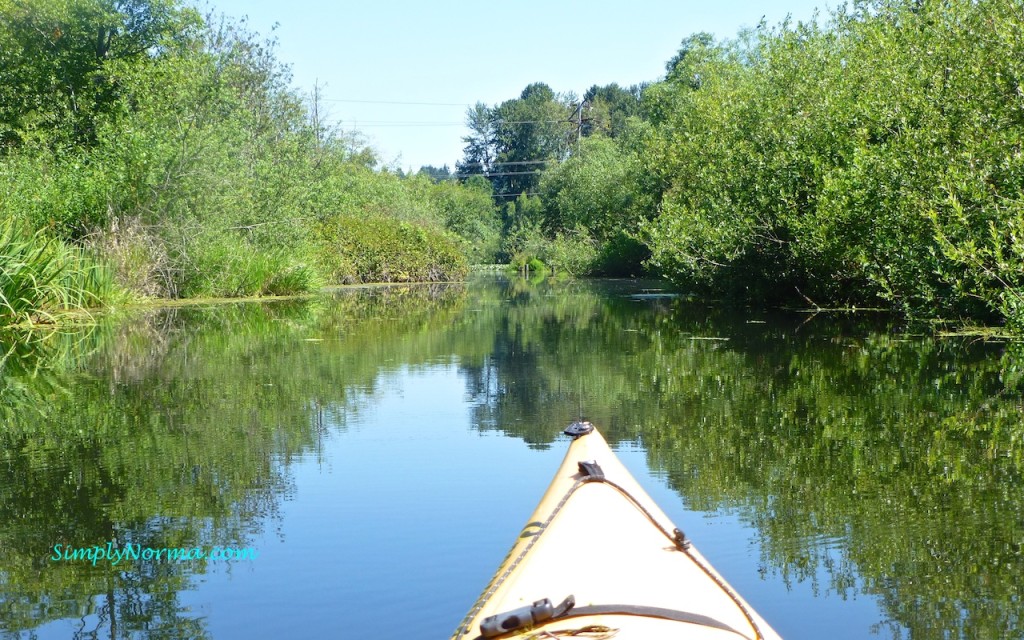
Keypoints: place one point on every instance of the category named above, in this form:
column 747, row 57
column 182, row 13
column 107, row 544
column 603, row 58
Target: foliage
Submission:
column 377, row 248
column 478, row 153
column 590, row 189
column 521, row 226
column 56, row 57
column 607, row 109
column 445, row 216
column 581, row 213
column 41, row 277
column 229, row 266
column 468, row 211
column 138, row 257
column 173, row 146
column 512, row 142
column 436, row 174
column 593, row 195
column 872, row 159
column 573, row 253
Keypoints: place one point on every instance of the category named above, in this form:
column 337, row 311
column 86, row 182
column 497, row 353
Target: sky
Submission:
column 404, row 73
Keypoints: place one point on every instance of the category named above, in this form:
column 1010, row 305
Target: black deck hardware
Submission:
column 591, row 469
column 680, row 538
column 579, row 428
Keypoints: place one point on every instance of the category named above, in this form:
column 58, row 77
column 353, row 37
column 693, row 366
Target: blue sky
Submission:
column 370, row 55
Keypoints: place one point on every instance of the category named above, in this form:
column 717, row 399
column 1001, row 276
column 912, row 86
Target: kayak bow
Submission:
column 612, row 560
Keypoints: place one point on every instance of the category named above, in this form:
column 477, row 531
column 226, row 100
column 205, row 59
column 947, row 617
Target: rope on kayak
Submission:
column 592, row 473
column 678, row 538
column 498, row 580
column 593, row 631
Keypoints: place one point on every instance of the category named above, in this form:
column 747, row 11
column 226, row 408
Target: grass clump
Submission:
column 42, row 277
column 229, row 266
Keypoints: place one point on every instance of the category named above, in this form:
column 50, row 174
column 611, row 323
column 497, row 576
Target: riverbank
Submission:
column 182, row 164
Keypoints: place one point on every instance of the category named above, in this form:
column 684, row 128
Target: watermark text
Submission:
column 115, row 555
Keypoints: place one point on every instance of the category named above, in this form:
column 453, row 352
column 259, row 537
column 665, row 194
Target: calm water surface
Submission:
column 377, row 450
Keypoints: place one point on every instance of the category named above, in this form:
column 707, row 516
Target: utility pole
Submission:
column 316, row 113
column 579, row 124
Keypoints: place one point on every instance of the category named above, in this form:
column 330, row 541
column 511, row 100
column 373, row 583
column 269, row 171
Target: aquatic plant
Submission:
column 41, row 277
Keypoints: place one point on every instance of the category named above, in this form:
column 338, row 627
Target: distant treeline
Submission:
column 146, row 150
column 872, row 158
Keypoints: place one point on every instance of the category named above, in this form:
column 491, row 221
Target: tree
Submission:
column 693, row 50
column 55, row 58
column 607, row 108
column 435, row 174
column 529, row 133
column 478, row 154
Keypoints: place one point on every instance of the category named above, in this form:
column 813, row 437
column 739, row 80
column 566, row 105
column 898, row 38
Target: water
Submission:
column 379, row 449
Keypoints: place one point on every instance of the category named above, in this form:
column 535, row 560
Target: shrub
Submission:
column 573, row 253
column 379, row 248
column 138, row 257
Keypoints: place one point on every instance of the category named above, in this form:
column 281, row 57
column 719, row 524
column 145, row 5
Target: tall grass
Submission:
column 41, row 277
column 228, row 266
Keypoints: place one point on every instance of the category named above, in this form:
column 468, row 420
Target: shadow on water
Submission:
column 865, row 459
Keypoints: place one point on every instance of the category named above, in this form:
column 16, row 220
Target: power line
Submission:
column 408, row 121
column 360, row 124
column 421, row 104
column 497, row 174
column 480, row 164
column 415, row 123
column 506, row 196
column 531, row 121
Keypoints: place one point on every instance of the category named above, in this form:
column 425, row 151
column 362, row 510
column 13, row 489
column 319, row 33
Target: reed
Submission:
column 42, row 278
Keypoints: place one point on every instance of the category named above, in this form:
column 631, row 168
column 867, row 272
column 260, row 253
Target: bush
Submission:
column 139, row 259
column 621, row 255
column 876, row 159
column 573, row 253
column 468, row 211
column 378, row 248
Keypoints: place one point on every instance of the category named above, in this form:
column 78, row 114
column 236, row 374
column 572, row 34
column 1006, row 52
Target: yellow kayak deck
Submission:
column 598, row 541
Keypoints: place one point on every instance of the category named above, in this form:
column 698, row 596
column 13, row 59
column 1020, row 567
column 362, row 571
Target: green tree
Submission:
column 436, row 174
column 478, row 154
column 511, row 143
column 175, row 147
column 468, row 210
column 56, row 57
column 607, row 109
column 531, row 132
column 593, row 195
column 867, row 161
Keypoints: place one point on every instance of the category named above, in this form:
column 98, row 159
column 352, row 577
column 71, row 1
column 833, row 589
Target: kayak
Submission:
column 599, row 559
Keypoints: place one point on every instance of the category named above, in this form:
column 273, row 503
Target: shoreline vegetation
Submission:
column 169, row 158
column 868, row 159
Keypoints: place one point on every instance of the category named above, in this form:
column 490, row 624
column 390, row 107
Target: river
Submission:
column 357, row 464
